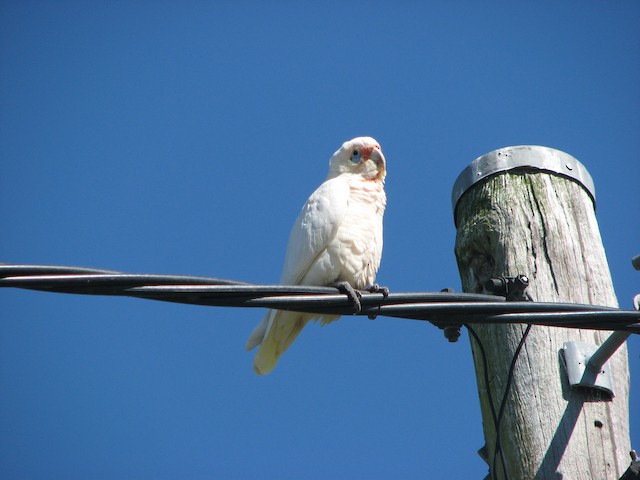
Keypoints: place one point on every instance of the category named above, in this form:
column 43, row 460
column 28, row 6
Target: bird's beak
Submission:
column 377, row 157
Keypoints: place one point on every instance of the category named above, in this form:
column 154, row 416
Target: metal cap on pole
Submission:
column 522, row 158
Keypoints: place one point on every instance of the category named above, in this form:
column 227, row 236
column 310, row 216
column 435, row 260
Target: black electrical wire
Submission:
column 442, row 308
column 497, row 419
column 503, row 404
column 487, row 383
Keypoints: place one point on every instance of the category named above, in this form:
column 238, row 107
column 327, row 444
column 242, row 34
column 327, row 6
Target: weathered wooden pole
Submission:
column 531, row 210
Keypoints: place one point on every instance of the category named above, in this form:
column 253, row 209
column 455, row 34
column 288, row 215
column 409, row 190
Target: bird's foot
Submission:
column 375, row 288
column 352, row 293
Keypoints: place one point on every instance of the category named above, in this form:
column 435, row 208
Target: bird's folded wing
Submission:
column 314, row 228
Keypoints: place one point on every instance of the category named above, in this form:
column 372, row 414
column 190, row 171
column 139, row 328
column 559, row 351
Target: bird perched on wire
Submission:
column 336, row 241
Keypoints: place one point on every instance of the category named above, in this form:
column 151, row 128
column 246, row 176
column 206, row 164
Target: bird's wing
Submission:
column 314, row 228
column 312, row 232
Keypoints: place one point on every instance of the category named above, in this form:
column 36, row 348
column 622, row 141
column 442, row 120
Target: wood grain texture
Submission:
column 543, row 225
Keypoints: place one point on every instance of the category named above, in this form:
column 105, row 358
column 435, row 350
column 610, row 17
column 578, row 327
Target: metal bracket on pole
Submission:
column 586, row 364
column 581, row 372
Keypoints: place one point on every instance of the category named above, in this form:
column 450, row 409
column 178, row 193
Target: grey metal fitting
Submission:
column 522, row 157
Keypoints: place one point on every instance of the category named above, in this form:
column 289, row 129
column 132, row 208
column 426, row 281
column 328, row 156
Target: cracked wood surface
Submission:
column 543, row 225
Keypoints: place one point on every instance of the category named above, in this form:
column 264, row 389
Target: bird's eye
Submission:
column 355, row 156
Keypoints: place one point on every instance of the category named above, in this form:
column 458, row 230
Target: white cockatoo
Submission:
column 336, row 241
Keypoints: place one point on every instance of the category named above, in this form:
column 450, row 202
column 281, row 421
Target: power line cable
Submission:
column 441, row 308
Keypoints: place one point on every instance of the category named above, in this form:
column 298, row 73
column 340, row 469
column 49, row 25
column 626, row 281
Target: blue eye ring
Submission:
column 355, row 156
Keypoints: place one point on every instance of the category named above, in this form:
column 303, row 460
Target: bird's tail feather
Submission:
column 258, row 333
column 279, row 329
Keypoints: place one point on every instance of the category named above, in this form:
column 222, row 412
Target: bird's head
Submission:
column 362, row 156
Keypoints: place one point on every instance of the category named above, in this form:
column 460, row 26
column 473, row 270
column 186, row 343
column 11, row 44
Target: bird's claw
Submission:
column 375, row 288
column 352, row 293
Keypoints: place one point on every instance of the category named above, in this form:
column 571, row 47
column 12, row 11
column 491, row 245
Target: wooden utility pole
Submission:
column 530, row 210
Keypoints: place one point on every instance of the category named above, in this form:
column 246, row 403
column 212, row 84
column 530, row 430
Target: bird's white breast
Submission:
column 357, row 246
column 338, row 234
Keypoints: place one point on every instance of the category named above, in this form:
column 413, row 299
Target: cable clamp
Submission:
column 512, row 288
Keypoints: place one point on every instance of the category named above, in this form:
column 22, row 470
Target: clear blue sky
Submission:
column 183, row 137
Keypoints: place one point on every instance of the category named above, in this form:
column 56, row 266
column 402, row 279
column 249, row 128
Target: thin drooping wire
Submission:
column 487, row 383
column 497, row 419
column 503, row 403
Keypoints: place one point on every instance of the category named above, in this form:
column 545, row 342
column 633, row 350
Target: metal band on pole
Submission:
column 522, row 157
